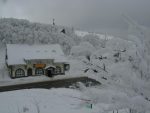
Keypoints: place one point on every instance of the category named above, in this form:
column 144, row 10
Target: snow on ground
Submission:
column 60, row 100
column 81, row 33
column 84, row 33
column 41, row 101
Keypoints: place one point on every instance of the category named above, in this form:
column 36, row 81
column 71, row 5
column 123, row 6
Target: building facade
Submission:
column 36, row 60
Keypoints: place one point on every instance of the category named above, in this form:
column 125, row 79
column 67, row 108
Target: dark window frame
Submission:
column 19, row 73
column 39, row 71
column 58, row 70
column 66, row 67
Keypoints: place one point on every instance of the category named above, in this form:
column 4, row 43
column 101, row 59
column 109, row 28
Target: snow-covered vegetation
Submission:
column 121, row 65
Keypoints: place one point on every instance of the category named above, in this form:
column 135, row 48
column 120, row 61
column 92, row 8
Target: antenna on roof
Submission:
column 53, row 21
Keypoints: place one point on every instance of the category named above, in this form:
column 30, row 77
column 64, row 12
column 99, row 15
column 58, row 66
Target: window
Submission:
column 66, row 67
column 39, row 71
column 57, row 70
column 19, row 73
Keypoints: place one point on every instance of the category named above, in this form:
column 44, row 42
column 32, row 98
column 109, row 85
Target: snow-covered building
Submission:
column 31, row 60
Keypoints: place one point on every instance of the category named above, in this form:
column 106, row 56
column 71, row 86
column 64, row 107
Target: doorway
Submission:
column 50, row 72
column 29, row 72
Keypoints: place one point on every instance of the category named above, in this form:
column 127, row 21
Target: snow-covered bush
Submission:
column 93, row 39
column 83, row 49
column 127, row 80
column 122, row 68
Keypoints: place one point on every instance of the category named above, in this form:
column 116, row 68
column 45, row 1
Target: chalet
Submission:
column 32, row 60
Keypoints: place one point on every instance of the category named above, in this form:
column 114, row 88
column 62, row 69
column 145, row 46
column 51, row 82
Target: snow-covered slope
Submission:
column 59, row 100
column 25, row 32
column 121, row 64
column 18, row 31
column 41, row 101
column 85, row 33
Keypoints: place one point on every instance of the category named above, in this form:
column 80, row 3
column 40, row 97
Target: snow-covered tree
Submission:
column 83, row 49
column 126, row 84
column 22, row 31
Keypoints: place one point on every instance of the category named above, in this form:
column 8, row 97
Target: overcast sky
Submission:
column 94, row 15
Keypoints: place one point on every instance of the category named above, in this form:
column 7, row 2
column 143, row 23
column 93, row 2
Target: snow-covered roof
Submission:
column 17, row 53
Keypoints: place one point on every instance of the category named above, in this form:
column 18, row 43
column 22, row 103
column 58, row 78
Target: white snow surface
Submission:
column 60, row 100
column 41, row 101
column 84, row 33
column 17, row 53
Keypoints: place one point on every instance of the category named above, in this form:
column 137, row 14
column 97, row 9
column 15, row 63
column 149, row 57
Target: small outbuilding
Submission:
column 31, row 60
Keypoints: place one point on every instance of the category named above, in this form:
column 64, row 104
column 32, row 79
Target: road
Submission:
column 51, row 84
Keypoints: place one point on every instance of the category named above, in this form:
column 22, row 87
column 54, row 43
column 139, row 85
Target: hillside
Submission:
column 22, row 31
column 121, row 65
column 19, row 31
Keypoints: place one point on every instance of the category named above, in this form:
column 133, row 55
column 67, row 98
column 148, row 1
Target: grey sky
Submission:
column 91, row 15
